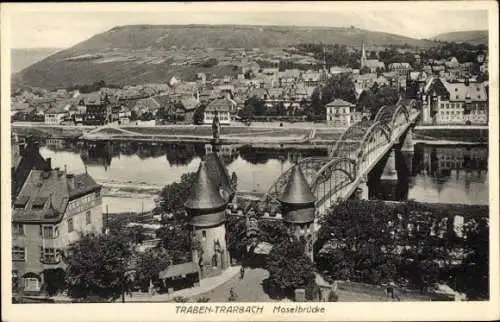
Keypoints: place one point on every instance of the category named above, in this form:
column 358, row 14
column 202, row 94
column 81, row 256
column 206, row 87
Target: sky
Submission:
column 43, row 26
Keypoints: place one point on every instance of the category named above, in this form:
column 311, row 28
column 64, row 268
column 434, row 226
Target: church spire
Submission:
column 363, row 54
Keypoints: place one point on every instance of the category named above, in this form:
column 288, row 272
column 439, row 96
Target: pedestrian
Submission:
column 242, row 272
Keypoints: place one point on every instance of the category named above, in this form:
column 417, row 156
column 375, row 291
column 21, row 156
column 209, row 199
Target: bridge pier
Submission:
column 390, row 173
column 407, row 144
column 362, row 190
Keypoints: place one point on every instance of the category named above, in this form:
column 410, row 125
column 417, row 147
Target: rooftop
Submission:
column 297, row 190
column 204, row 192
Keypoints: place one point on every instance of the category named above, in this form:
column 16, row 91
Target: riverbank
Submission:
column 452, row 134
column 265, row 134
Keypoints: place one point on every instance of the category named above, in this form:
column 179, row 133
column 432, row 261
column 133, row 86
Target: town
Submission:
column 207, row 239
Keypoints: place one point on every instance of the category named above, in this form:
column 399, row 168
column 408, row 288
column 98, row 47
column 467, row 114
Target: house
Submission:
column 366, row 81
column 97, row 108
column 56, row 114
column 52, row 210
column 19, row 107
column 403, row 69
column 455, row 103
column 148, row 105
column 223, row 108
column 338, row 113
column 185, row 111
column 180, row 276
column 374, row 65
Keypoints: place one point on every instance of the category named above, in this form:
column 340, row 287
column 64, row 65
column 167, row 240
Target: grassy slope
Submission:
column 153, row 41
column 24, row 57
column 474, row 37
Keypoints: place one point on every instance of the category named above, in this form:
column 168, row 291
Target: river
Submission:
column 132, row 173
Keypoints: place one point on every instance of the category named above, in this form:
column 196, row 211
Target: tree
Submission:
column 176, row 239
column 174, row 195
column 199, row 114
column 97, row 267
column 358, row 247
column 317, row 107
column 54, row 280
column 289, row 268
column 366, row 101
column 256, row 105
column 151, row 263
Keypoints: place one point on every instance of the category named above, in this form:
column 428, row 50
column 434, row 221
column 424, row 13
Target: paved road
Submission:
column 248, row 289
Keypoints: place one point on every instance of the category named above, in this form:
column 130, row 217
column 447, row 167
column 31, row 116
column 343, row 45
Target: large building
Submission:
column 374, row 65
column 299, row 210
column 338, row 113
column 455, row 103
column 52, row 209
column 222, row 107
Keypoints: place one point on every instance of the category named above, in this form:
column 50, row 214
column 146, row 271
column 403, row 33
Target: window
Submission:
column 70, row 225
column 31, row 284
column 87, row 218
column 18, row 253
column 18, row 229
column 204, row 234
column 48, row 231
column 49, row 255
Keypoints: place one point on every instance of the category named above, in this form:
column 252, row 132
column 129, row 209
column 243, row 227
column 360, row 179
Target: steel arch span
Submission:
column 309, row 167
column 332, row 177
column 357, row 151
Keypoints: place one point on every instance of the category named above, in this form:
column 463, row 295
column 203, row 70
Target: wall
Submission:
column 207, row 245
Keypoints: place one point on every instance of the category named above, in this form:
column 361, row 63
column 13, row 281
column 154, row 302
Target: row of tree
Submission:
column 415, row 244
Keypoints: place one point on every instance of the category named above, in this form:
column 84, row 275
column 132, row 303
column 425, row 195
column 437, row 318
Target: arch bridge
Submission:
column 353, row 156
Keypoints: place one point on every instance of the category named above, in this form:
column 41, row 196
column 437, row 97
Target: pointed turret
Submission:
column 297, row 191
column 204, row 193
column 297, row 199
column 298, row 205
column 206, row 208
column 219, row 175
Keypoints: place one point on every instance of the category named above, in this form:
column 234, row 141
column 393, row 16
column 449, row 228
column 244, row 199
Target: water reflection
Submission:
column 450, row 174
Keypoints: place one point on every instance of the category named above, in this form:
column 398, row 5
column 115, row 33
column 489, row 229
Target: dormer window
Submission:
column 38, row 203
column 21, row 202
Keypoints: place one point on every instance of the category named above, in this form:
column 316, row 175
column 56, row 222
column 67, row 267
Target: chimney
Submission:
column 71, row 180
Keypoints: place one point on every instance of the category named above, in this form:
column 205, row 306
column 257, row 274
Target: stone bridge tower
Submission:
column 298, row 204
column 206, row 209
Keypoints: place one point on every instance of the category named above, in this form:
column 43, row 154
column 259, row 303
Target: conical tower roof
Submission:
column 204, row 193
column 297, row 190
column 219, row 175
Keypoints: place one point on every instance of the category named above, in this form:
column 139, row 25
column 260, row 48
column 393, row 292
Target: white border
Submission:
column 334, row 311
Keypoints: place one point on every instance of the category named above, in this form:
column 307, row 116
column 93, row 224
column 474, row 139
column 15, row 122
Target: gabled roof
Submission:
column 178, row 270
column 339, row 103
column 221, row 105
column 46, row 193
column 297, row 190
column 460, row 91
column 204, row 193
